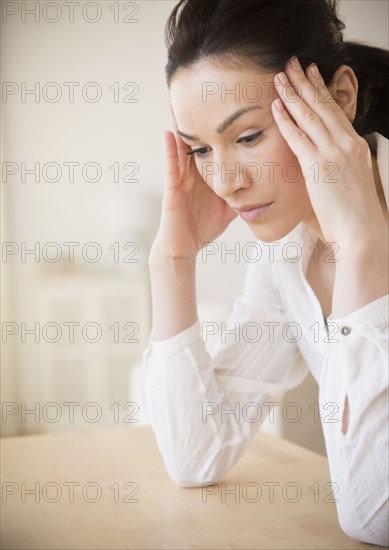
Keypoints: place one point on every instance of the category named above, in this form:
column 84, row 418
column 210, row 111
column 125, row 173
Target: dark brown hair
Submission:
column 266, row 33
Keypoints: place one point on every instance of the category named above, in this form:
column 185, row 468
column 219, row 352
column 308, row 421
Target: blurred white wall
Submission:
column 366, row 20
column 116, row 49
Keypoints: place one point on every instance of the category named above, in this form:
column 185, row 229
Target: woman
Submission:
column 299, row 153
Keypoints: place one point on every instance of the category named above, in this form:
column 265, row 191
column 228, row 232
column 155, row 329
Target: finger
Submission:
column 322, row 94
column 173, row 173
column 306, row 118
column 182, row 147
column 315, row 94
column 297, row 139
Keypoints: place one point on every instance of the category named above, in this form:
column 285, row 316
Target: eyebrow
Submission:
column 224, row 125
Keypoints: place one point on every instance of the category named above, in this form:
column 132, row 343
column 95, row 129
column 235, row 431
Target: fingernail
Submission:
column 295, row 63
column 278, row 104
column 314, row 71
column 283, row 78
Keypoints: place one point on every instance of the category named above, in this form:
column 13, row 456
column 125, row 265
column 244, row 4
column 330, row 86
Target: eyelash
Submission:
column 252, row 139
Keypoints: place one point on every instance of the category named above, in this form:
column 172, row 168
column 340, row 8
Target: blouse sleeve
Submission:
column 356, row 366
column 204, row 410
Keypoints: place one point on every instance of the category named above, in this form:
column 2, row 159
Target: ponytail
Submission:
column 371, row 67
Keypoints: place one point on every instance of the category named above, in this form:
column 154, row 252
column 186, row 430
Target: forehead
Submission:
column 210, row 82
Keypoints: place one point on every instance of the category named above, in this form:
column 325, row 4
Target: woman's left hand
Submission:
column 335, row 161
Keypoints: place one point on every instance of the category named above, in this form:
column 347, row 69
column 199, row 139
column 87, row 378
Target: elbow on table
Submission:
column 194, row 472
column 186, row 478
column 193, row 465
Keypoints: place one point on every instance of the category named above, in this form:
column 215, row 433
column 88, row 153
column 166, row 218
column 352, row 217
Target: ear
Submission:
column 344, row 89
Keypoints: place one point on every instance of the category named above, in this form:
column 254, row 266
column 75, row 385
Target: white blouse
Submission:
column 205, row 409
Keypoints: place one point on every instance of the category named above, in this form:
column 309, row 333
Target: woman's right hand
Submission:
column 192, row 214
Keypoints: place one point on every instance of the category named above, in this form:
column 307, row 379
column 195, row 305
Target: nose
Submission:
column 226, row 177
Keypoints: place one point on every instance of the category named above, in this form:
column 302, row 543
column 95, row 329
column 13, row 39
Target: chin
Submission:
column 270, row 233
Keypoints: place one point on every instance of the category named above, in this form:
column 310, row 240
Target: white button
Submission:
column 345, row 330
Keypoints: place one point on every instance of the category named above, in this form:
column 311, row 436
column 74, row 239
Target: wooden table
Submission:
column 108, row 489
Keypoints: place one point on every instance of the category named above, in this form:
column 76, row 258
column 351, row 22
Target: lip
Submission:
column 249, row 213
column 251, row 207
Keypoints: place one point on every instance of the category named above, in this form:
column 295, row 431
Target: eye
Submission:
column 202, row 152
column 249, row 140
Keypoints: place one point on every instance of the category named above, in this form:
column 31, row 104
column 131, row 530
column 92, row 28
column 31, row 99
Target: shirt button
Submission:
column 345, row 330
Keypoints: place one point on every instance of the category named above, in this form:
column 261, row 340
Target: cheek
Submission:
column 205, row 169
column 286, row 170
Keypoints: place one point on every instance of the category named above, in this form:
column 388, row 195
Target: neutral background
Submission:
column 110, row 44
